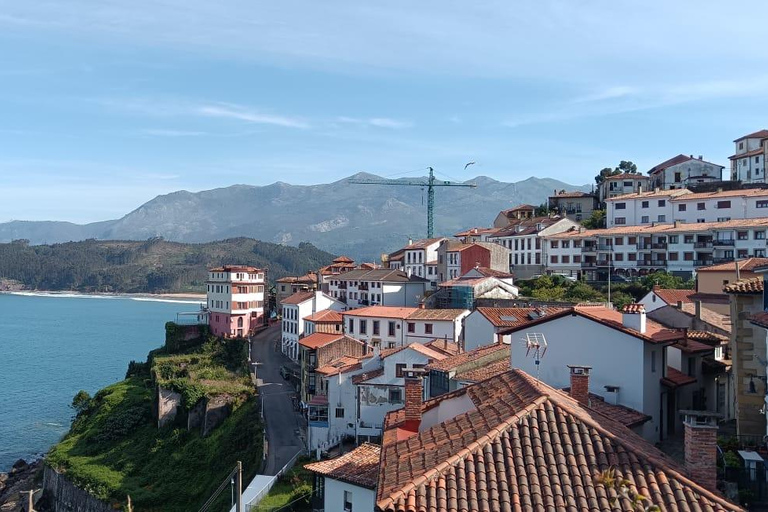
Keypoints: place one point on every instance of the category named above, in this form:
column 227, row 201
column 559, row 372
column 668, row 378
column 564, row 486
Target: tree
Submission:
column 595, row 221
column 625, row 166
column 81, row 402
column 663, row 280
column 542, row 210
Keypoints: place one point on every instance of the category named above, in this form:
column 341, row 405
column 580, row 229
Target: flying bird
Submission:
column 470, row 163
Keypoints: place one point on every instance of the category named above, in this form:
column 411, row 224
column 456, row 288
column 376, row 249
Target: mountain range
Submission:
column 340, row 217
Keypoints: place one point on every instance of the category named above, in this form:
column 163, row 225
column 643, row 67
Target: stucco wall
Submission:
column 363, row 499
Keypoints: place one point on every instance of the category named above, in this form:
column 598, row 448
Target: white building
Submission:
column 642, row 208
column 295, row 309
column 483, row 325
column 620, row 184
column 626, row 351
column 347, row 483
column 748, row 161
column 385, row 287
column 420, row 259
column 235, row 297
column 389, row 327
column 682, row 171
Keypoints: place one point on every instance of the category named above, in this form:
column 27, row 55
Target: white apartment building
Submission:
column 390, row 327
column 385, row 287
column 685, row 206
column 678, row 248
column 235, row 299
column 620, row 184
column 420, row 259
column 682, row 171
column 296, row 309
column 748, row 161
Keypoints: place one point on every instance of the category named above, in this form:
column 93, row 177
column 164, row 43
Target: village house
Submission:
column 420, row 259
column 576, row 206
column 692, row 316
column 287, row 286
column 659, row 297
column 435, row 455
column 454, row 372
column 748, row 161
column 384, row 287
column 295, row 310
column 235, row 300
column 483, row 325
column 390, row 327
column 682, row 171
column 319, row 349
column 474, row 287
column 512, row 215
column 472, row 235
column 710, row 281
column 455, row 259
column 620, row 184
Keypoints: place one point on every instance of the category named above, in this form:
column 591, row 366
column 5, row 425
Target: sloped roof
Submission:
column 701, row 196
column 449, row 348
column 449, row 363
column 489, row 272
column 673, row 295
column 518, row 208
column 747, row 154
column 381, row 312
column 343, row 259
column 436, row 314
column 747, row 265
column 527, row 446
column 513, row 317
column 760, row 134
column 760, row 319
column 319, row 339
column 298, row 297
column 431, row 353
column 476, row 231
column 424, row 243
column 567, row 195
column 650, row 194
column 711, row 317
column 667, row 228
column 753, row 285
column 379, row 274
column 340, row 365
column 358, row 467
column 326, row 316
column 675, row 378
column 627, row 176
column 483, row 372
column 525, row 226
column 679, row 159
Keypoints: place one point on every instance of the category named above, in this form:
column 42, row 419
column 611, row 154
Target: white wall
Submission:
column 363, row 500
column 478, row 331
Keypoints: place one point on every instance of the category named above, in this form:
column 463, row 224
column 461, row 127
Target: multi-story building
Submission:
column 682, row 171
column 316, row 351
column 287, row 286
column 524, row 241
column 472, row 235
column 455, row 259
column 235, row 296
column 748, row 161
column 620, row 184
column 384, row 287
column 420, row 259
column 573, row 205
column 678, row 248
column 296, row 309
column 390, row 327
column 476, row 286
column 641, row 208
column 520, row 212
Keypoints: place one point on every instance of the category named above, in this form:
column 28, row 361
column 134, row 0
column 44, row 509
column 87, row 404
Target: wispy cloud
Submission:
column 249, row 115
column 609, row 93
column 172, row 133
column 378, row 122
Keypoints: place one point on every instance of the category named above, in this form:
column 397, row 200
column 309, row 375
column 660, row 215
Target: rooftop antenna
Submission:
column 536, row 344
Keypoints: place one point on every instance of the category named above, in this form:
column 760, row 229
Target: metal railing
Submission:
column 724, row 242
column 702, row 245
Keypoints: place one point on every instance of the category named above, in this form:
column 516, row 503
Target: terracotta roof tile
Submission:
column 358, row 467
column 319, row 339
column 339, row 365
column 485, row 371
column 476, row 231
column 693, row 343
column 343, row 259
column 381, row 312
column 449, row 348
column 745, row 286
column 433, row 354
column 650, row 194
column 381, row 274
column 362, row 377
column 625, row 415
column 437, row 314
column 513, row 317
column 627, row 176
column 567, row 195
column 758, row 151
column 672, row 295
column 458, row 360
column 669, row 228
column 675, row 378
column 706, row 336
column 747, row 265
column 760, row 134
column 633, row 308
column 526, row 446
column 325, row 316
column 519, row 208
column 746, row 192
column 298, row 298
column 489, row 272
column 760, row 319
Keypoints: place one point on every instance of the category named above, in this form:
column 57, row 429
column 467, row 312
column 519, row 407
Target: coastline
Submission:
column 181, row 296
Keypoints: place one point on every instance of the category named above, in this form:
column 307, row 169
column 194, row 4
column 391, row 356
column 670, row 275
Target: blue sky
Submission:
column 104, row 105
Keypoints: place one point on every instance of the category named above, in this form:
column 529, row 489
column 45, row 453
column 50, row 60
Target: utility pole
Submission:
column 239, row 488
column 430, row 184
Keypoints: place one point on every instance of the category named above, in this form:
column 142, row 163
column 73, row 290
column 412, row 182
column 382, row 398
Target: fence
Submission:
column 262, row 484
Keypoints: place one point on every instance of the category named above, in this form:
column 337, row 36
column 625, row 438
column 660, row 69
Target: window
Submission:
column 427, row 328
column 554, row 244
column 662, row 202
column 411, row 327
column 741, row 145
column 644, row 204
column 674, row 239
column 701, row 206
column 742, row 235
column 628, row 184
column 619, row 240
column 347, row 501
column 673, row 256
column 577, row 244
column 678, row 177
column 566, row 244
column 681, row 207
column 701, row 221
column 723, row 204
column 632, row 240
column 577, row 258
column 391, row 329
column 688, row 256
column 632, row 256
column 617, row 257
column 621, row 206
column 723, row 219
column 351, row 326
column 761, row 204
column 396, row 396
column 653, row 361
column 645, row 219
column 742, row 253
column 339, row 412
column 620, row 220
column 662, row 218
column 399, row 369
column 566, row 259
column 375, row 327
column 759, row 235
column 553, row 259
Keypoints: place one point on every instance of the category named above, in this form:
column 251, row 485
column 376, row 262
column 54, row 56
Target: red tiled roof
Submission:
column 449, row 363
column 760, row 134
column 436, row 314
column 362, row 377
column 309, row 277
column 674, row 161
column 343, row 259
column 706, row 336
column 669, row 228
column 525, row 226
column 760, row 319
column 489, row 272
column 747, row 154
column 526, row 446
column 358, row 467
column 449, row 348
column 566, row 195
column 745, row 286
column 339, row 365
column 298, row 298
column 475, row 231
column 700, row 196
column 518, row 208
column 319, row 339
column 625, row 415
column 626, row 176
column 325, row 316
column 381, row 312
column 676, row 378
column 513, row 317
column 747, row 265
column 650, row 193
column 485, row 371
column 692, row 345
column 633, row 308
column 235, row 268
column 672, row 295
column 421, row 348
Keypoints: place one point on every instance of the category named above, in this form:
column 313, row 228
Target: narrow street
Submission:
column 283, row 424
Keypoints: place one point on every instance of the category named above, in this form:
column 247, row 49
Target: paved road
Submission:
column 285, row 427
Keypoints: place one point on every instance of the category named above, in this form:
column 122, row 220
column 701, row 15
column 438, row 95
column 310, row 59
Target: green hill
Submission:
column 152, row 266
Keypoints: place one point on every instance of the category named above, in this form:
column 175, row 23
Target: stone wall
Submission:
column 748, row 344
column 168, row 403
column 61, row 495
column 217, row 409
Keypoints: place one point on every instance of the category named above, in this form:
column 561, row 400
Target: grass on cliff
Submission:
column 114, row 448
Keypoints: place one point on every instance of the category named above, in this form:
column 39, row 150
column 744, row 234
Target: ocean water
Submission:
column 53, row 346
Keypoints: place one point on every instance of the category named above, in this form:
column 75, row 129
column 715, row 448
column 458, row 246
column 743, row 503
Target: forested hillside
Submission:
column 152, row 266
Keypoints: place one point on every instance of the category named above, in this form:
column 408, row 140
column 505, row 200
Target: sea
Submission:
column 53, row 345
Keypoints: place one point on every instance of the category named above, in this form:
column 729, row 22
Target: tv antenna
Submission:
column 536, row 344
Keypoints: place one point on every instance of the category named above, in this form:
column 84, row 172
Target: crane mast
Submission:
column 430, row 184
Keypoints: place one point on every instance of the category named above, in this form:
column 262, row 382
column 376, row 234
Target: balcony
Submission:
column 725, row 242
column 702, row 245
column 659, row 245
column 588, row 264
column 703, row 263
column 644, row 246
column 652, row 263
column 604, row 247
column 363, row 286
column 589, row 248
column 722, row 260
column 343, row 285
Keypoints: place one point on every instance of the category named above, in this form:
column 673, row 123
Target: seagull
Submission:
column 470, row 163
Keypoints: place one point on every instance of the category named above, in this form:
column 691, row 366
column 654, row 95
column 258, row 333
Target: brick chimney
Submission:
column 413, row 398
column 633, row 317
column 701, row 447
column 580, row 383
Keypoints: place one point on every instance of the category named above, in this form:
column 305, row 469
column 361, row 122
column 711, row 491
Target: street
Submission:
column 283, row 424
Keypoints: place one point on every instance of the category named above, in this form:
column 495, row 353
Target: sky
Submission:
column 104, row 105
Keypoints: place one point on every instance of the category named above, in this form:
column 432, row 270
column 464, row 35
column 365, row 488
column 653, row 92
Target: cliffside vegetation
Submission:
column 152, row 266
column 114, row 448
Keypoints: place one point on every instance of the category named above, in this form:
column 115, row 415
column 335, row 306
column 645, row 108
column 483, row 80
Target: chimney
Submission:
column 639, row 188
column 701, row 446
column 701, row 157
column 612, row 394
column 678, row 223
column 633, row 317
column 680, row 304
column 691, row 156
column 410, row 241
column 698, row 309
column 580, row 383
column 413, row 398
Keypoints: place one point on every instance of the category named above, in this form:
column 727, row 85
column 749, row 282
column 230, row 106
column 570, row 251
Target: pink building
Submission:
column 235, row 300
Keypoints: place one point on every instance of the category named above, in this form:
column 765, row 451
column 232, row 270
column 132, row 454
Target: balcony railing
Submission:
column 702, row 245
column 652, row 263
column 725, row 242
column 703, row 263
column 604, row 247
column 588, row 264
column 588, row 248
column 722, row 260
column 659, row 245
column 343, row 285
